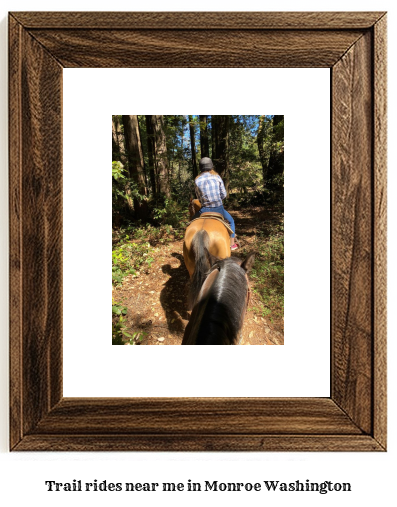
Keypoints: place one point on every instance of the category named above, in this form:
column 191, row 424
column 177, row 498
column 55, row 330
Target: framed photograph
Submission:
column 353, row 46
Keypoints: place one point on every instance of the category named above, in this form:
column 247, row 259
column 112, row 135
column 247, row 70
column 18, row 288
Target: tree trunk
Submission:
column 221, row 159
column 213, row 136
column 204, row 145
column 115, row 144
column 264, row 158
column 276, row 163
column 277, row 119
column 151, row 148
column 181, row 154
column 135, row 161
column 160, row 156
column 276, row 159
column 143, row 156
column 118, row 150
column 193, row 146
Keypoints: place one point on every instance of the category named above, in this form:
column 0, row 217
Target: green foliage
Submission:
column 245, row 166
column 244, row 178
column 124, row 190
column 148, row 234
column 267, row 275
column 270, row 138
column 118, row 171
column 118, row 326
column 183, row 190
column 171, row 213
column 119, row 179
column 128, row 258
column 133, row 246
column 121, row 335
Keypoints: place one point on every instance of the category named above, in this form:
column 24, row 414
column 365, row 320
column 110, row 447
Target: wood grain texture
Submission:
column 238, row 416
column 380, row 229
column 354, row 45
column 196, row 48
column 41, row 82
column 15, row 242
column 36, row 187
column 204, row 443
column 200, row 20
column 352, row 233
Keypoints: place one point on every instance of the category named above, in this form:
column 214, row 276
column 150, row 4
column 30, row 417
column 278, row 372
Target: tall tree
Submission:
column 264, row 126
column 158, row 159
column 161, row 156
column 115, row 144
column 118, row 150
column 193, row 146
column 204, row 145
column 270, row 141
column 151, row 148
column 276, row 159
column 220, row 128
column 213, row 135
column 135, row 161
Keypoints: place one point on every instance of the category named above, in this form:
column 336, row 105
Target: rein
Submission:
column 248, row 297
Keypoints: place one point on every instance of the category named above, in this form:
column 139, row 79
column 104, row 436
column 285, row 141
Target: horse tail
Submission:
column 200, row 247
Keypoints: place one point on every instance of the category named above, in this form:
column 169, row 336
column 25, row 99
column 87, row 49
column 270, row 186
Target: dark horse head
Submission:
column 218, row 314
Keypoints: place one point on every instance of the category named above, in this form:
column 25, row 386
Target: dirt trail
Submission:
column 156, row 299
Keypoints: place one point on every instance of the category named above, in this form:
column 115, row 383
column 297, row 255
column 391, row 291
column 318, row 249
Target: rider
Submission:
column 210, row 191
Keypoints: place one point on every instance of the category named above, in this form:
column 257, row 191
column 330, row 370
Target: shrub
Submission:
column 128, row 257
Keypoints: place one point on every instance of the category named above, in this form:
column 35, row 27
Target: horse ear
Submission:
column 191, row 198
column 248, row 262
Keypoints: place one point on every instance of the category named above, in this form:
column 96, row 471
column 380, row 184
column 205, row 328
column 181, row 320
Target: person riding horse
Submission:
column 211, row 191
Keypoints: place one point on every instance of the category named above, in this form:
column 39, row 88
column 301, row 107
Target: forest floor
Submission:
column 156, row 297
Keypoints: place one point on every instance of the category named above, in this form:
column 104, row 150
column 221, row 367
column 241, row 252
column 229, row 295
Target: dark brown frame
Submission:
column 353, row 45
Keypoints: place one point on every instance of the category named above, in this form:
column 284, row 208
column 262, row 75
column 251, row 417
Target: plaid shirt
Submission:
column 210, row 190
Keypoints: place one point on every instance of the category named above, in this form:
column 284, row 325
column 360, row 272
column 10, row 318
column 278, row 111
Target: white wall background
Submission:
column 22, row 476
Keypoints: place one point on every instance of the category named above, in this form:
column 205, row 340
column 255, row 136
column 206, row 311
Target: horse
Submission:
column 207, row 234
column 218, row 315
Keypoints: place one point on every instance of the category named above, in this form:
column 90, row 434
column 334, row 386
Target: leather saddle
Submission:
column 215, row 216
column 209, row 214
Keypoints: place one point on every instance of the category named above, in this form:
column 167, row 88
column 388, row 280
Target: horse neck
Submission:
column 219, row 314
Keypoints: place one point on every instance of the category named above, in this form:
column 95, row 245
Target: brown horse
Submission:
column 203, row 237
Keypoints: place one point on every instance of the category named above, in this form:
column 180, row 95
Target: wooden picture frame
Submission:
column 353, row 46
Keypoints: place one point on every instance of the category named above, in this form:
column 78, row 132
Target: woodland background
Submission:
column 154, row 164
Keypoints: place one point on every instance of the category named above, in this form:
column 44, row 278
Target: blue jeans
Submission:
column 223, row 212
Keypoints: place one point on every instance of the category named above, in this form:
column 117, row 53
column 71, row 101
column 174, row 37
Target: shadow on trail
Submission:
column 250, row 222
column 173, row 296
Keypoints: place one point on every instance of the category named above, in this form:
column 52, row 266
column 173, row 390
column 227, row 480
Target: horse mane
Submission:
column 200, row 246
column 218, row 317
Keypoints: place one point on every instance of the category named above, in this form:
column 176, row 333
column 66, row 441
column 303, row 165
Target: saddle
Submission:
column 213, row 216
column 209, row 214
